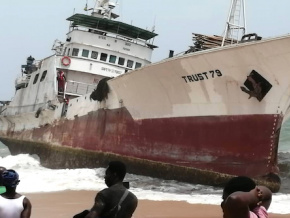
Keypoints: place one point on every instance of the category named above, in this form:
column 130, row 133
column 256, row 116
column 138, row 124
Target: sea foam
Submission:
column 35, row 178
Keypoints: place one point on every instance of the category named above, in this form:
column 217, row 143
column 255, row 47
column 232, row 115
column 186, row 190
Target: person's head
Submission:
column 10, row 179
column 239, row 183
column 2, row 169
column 115, row 173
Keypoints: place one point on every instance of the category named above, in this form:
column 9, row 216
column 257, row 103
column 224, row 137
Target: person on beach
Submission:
column 115, row 201
column 242, row 198
column 2, row 188
column 13, row 204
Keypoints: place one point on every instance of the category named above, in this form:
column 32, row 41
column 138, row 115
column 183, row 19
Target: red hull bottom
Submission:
column 235, row 145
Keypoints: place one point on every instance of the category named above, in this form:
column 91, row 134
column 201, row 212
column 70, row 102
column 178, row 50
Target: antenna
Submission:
column 86, row 7
column 154, row 22
column 70, row 27
column 121, row 10
column 153, row 29
column 236, row 23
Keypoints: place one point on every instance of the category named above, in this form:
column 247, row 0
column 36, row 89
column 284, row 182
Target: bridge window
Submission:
column 104, row 57
column 121, row 61
column 130, row 63
column 85, row 53
column 75, row 52
column 138, row 65
column 68, row 52
column 112, row 59
column 35, row 78
column 43, row 76
column 94, row 55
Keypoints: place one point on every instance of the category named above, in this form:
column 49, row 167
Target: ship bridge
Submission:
column 111, row 26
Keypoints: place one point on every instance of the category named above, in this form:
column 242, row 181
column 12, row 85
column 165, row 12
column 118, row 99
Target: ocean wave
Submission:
column 35, row 178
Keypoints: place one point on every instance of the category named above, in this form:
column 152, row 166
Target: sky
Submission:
column 29, row 27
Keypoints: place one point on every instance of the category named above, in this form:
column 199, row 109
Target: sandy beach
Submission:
column 65, row 204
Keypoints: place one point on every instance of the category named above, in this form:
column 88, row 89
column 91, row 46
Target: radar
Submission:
column 111, row 5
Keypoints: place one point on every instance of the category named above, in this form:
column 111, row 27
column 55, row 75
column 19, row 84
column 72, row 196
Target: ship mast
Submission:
column 236, row 23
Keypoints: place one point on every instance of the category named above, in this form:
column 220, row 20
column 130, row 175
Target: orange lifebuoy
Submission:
column 65, row 60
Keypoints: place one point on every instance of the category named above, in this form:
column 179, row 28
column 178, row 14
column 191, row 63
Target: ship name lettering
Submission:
column 202, row 76
column 111, row 70
column 127, row 49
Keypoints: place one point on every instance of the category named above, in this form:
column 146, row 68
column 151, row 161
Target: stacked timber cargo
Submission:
column 204, row 42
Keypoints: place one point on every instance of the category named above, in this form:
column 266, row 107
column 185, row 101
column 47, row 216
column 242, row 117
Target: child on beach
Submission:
column 13, row 204
column 242, row 198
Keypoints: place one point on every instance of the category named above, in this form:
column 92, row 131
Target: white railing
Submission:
column 79, row 88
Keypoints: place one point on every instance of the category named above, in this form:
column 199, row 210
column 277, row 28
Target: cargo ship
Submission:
column 204, row 116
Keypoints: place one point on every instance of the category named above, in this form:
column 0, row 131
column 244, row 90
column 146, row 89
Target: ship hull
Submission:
column 234, row 145
column 219, row 111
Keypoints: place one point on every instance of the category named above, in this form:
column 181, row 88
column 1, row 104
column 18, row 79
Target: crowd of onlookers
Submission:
column 242, row 198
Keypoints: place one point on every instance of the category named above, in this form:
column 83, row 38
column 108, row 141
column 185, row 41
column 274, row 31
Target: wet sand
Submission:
column 65, row 204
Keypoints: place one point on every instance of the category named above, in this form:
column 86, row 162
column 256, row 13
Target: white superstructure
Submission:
column 96, row 47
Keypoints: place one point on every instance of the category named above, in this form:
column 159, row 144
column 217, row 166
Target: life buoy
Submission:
column 65, row 61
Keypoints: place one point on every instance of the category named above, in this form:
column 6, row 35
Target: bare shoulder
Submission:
column 133, row 196
column 26, row 202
